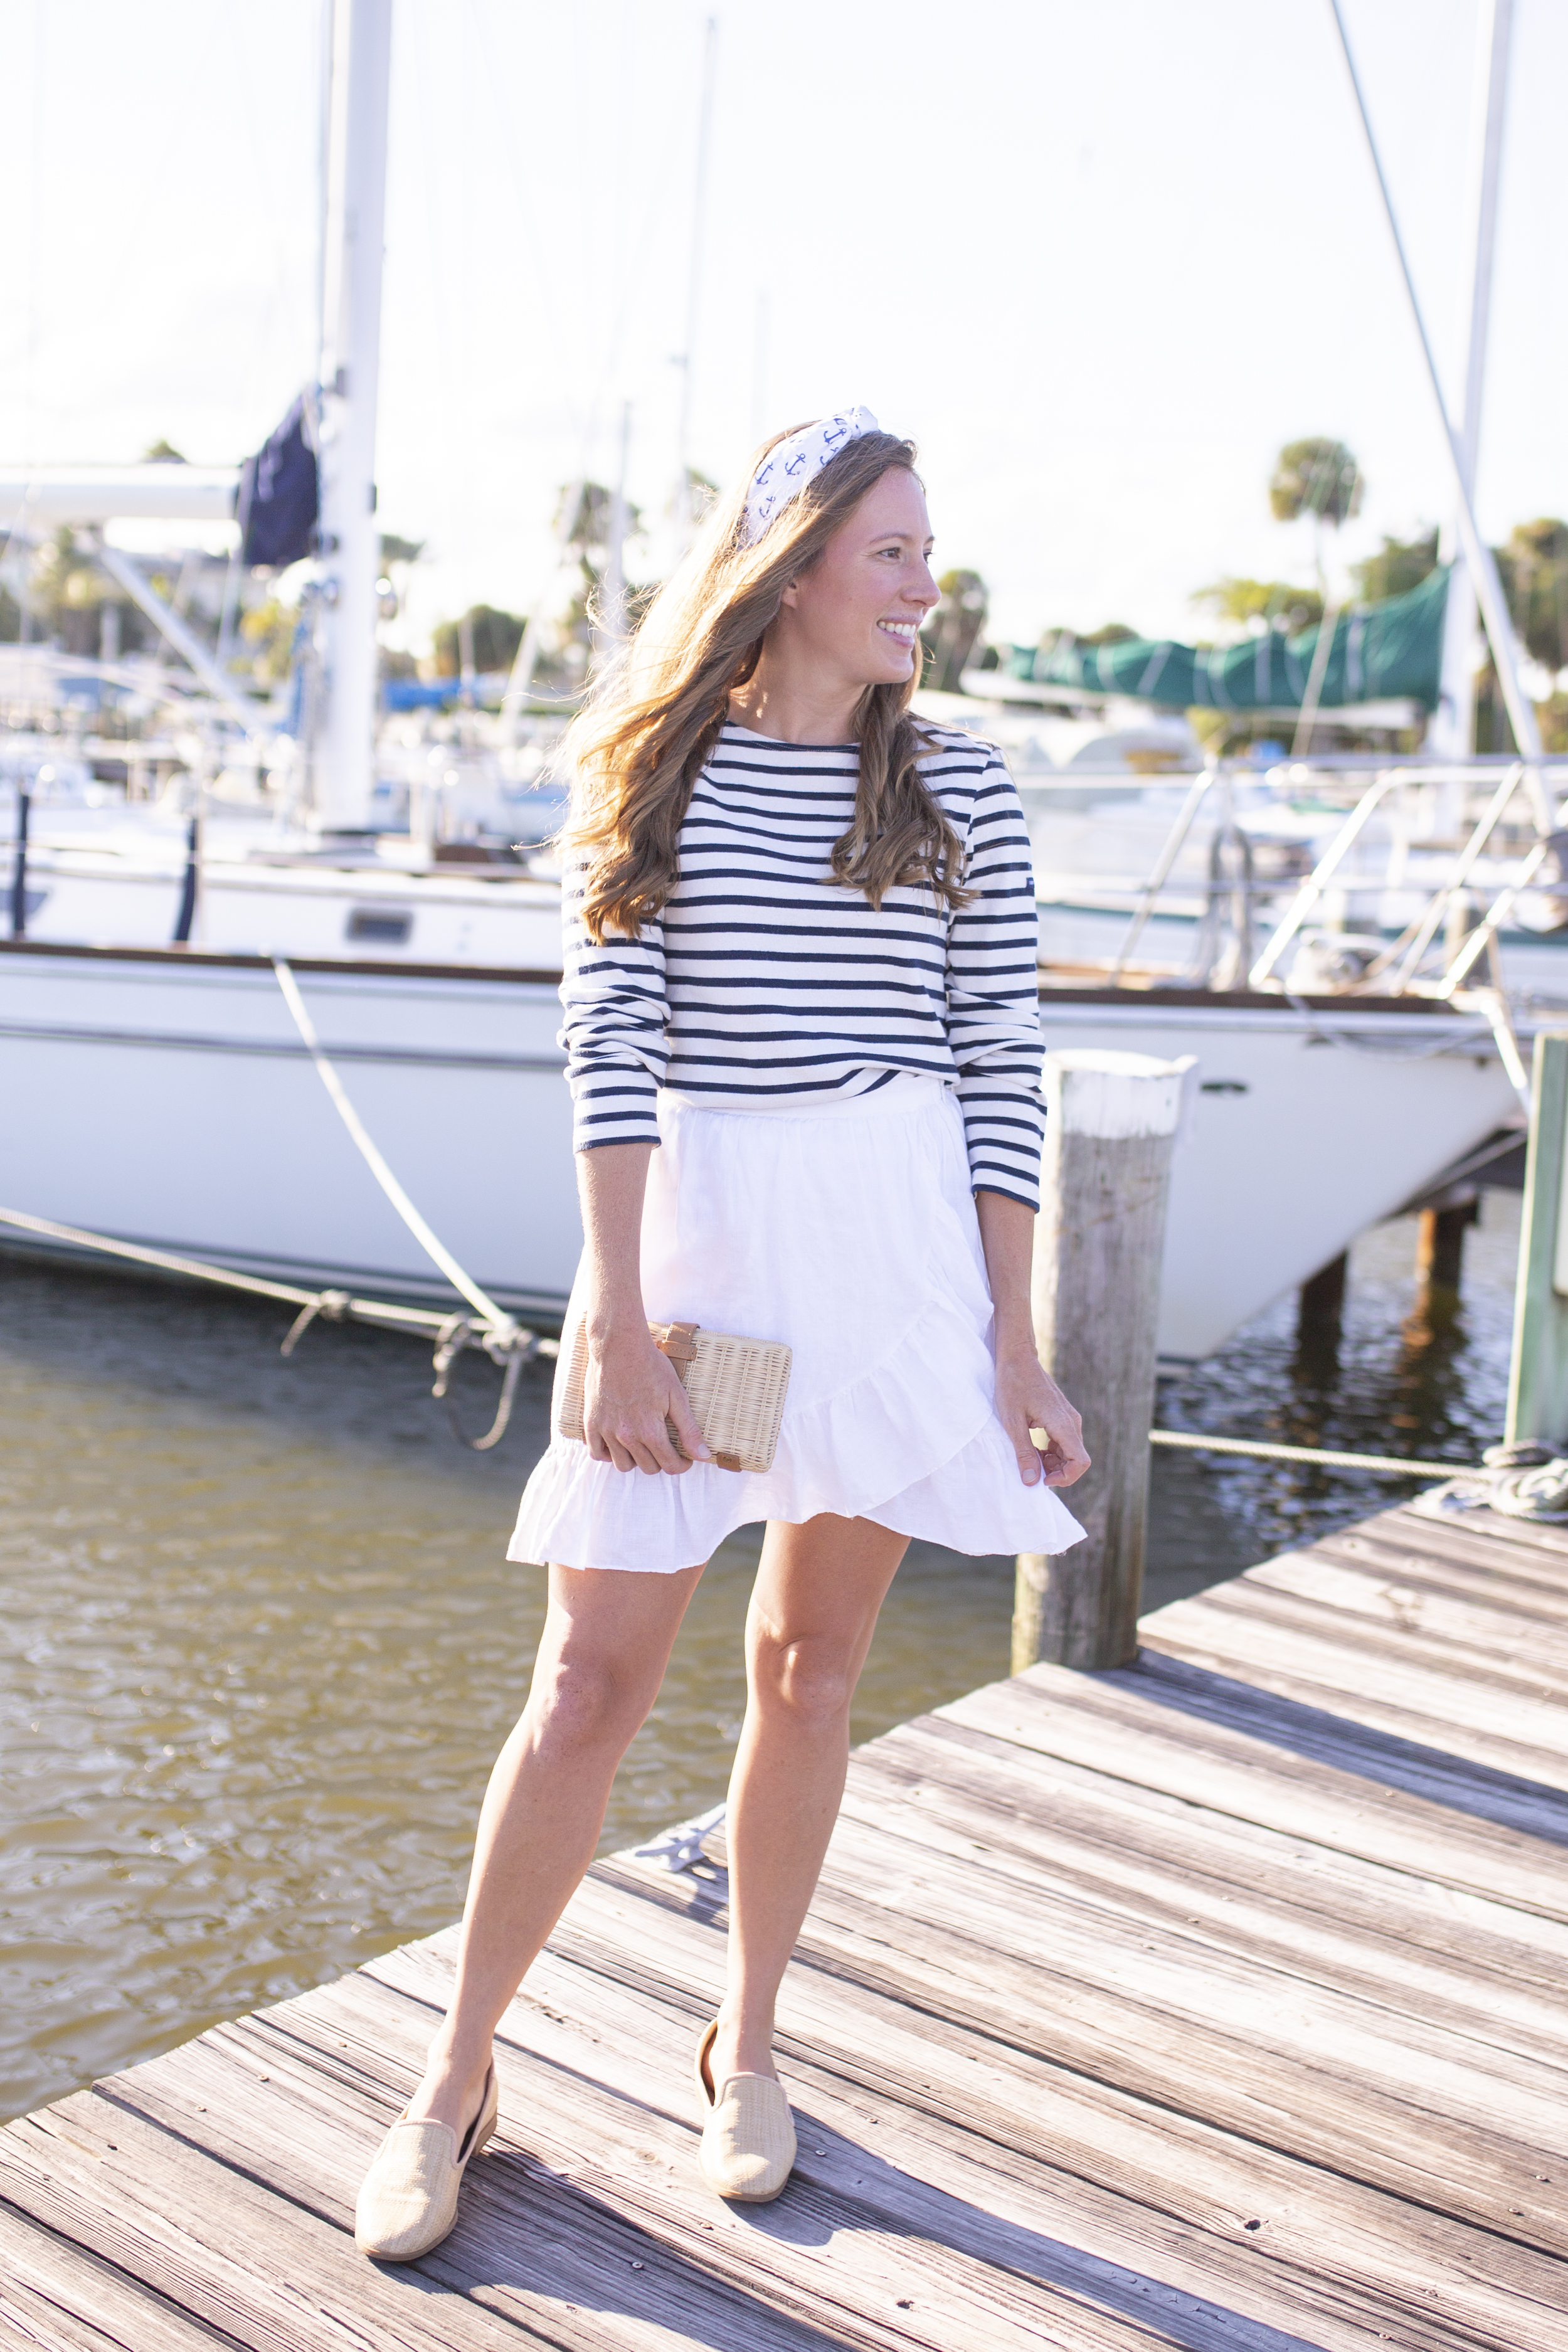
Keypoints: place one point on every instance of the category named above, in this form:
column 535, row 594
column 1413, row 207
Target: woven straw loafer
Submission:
column 409, row 2200
column 748, row 2133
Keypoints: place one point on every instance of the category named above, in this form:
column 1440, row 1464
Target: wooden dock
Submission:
column 1215, row 2003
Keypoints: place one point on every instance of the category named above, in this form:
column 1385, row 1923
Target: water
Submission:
column 261, row 1644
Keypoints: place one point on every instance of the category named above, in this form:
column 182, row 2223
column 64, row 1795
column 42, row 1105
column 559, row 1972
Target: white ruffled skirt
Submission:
column 847, row 1229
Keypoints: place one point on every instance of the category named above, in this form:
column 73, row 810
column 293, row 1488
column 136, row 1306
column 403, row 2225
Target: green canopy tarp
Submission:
column 1379, row 652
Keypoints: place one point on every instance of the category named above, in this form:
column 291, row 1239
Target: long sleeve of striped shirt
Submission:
column 766, row 979
column 993, row 1001
column 616, row 1029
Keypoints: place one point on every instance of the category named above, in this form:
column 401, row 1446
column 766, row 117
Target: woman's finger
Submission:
column 1064, row 1458
column 694, row 1445
column 665, row 1455
column 1025, row 1448
column 640, row 1441
column 619, row 1441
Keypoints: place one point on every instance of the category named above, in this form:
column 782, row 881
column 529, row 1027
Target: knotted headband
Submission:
column 790, row 464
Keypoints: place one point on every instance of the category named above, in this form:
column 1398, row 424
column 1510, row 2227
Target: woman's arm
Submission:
column 1027, row 1396
column 993, row 995
column 632, row 1389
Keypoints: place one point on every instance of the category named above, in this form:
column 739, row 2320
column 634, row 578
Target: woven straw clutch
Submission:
column 736, row 1386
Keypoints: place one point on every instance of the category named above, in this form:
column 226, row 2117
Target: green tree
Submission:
column 585, row 532
column 1399, row 565
column 585, row 535
column 66, row 592
column 952, row 629
column 1316, row 477
column 269, row 629
column 1062, row 641
column 1319, row 478
column 163, row 453
column 1533, row 565
column 497, row 637
column 1553, row 715
column 1277, row 602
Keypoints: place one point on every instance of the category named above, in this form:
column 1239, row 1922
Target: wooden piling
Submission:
column 1321, row 1310
column 1538, row 1376
column 1440, row 1245
column 1098, row 1246
column 1322, row 1299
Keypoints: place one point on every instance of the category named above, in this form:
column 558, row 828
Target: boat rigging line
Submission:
column 1495, row 614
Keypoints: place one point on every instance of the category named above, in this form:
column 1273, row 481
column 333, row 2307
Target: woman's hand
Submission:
column 631, row 1390
column 1028, row 1399
column 1027, row 1396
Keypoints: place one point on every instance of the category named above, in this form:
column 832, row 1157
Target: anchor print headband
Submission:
column 790, row 464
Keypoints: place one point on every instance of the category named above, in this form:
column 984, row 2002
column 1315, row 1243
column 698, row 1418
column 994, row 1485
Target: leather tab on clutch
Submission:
column 679, row 1341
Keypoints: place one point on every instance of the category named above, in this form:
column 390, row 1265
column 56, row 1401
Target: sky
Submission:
column 1100, row 261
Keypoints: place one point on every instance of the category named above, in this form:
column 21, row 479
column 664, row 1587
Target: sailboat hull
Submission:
column 166, row 1098
column 1305, row 1125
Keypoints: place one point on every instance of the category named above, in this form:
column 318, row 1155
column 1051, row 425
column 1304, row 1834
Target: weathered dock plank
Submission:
column 1214, row 2003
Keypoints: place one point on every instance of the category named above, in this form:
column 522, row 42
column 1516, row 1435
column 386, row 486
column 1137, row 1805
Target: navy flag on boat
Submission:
column 279, row 494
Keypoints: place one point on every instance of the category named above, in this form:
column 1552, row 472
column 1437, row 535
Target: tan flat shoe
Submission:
column 409, row 2200
column 748, row 2132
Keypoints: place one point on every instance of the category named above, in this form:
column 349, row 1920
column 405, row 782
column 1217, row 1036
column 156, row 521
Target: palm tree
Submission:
column 1319, row 477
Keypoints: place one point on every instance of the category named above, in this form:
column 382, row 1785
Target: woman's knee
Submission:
column 807, row 1677
column 588, row 1701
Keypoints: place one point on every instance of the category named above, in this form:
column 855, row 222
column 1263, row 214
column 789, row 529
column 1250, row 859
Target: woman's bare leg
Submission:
column 813, row 1613
column 602, row 1656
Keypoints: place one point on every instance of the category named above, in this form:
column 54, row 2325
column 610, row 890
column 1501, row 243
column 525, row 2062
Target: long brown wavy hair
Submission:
column 638, row 746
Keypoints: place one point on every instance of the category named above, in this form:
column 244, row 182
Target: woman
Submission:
column 803, row 1049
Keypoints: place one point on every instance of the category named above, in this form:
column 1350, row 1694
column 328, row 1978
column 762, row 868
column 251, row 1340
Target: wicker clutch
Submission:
column 736, row 1386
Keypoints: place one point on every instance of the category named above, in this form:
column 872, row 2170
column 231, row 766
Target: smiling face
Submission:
column 856, row 613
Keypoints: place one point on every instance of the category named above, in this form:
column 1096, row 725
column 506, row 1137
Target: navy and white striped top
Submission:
column 765, row 977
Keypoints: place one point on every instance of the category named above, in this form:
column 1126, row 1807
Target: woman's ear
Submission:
column 792, row 593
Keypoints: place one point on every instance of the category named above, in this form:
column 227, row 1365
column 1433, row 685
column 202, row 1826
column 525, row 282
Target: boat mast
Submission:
column 350, row 351
column 1479, row 556
column 684, row 519
column 1454, row 723
column 612, row 592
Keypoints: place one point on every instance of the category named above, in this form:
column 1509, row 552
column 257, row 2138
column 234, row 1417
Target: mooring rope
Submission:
column 505, row 1342
column 429, row 1242
column 1386, row 1466
column 511, row 1344
column 458, row 1332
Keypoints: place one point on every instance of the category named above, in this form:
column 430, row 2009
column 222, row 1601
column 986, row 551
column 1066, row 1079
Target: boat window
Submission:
column 390, row 926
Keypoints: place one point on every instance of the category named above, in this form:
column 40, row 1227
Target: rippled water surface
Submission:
column 260, row 1642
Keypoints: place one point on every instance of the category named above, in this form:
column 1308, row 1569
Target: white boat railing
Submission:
column 1201, row 786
